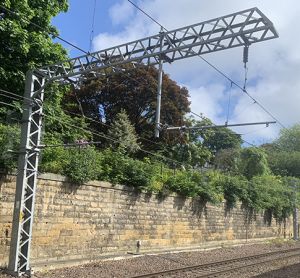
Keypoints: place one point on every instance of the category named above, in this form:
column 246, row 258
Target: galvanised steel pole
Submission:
column 159, row 87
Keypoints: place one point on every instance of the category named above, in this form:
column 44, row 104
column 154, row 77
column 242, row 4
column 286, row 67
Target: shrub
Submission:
column 212, row 191
column 182, row 183
column 82, row 164
column 138, row 173
column 119, row 168
column 234, row 189
column 113, row 164
column 195, row 184
column 53, row 159
column 271, row 193
column 253, row 163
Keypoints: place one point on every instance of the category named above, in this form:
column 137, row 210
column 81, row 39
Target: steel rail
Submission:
column 228, row 264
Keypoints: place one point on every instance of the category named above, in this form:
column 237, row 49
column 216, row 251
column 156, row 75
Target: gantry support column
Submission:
column 27, row 176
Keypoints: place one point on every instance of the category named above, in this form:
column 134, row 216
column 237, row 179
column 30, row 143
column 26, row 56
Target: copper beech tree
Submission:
column 134, row 91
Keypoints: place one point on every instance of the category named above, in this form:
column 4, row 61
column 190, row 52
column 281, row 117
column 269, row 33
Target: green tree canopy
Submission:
column 284, row 153
column 124, row 134
column 135, row 91
column 25, row 46
column 27, row 43
column 215, row 139
column 253, row 162
column 227, row 160
column 289, row 139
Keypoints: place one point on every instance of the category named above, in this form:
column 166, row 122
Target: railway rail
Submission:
column 219, row 268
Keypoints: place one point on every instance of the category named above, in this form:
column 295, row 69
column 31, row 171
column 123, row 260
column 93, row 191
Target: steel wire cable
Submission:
column 93, row 25
column 90, row 119
column 215, row 68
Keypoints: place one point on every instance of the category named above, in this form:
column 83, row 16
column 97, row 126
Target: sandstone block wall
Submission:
column 98, row 219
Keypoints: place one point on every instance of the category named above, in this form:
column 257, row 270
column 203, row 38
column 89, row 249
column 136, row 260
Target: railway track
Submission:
column 218, row 268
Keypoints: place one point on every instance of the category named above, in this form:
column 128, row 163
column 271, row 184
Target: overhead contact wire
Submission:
column 214, row 67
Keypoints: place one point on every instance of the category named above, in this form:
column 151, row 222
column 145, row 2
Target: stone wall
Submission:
column 97, row 219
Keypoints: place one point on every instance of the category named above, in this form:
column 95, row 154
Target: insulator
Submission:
column 246, row 54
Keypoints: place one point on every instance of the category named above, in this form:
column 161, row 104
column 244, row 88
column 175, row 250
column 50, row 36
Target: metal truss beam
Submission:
column 237, row 29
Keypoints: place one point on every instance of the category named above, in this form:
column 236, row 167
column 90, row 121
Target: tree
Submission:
column 253, row 163
column 25, row 46
column 289, row 139
column 284, row 153
column 285, row 163
column 124, row 134
column 135, row 91
column 188, row 151
column 227, row 160
column 282, row 162
column 26, row 43
column 215, row 139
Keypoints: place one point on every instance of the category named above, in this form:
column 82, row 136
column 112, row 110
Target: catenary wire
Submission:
column 93, row 25
column 99, row 122
column 214, row 67
column 244, row 109
column 175, row 162
column 101, row 135
column 202, row 117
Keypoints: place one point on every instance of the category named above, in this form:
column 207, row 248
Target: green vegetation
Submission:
column 24, row 46
column 123, row 134
column 9, row 142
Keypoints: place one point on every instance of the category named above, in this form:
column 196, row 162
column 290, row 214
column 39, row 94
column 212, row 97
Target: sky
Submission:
column 273, row 66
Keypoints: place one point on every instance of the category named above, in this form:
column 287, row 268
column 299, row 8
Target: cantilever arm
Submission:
column 237, row 29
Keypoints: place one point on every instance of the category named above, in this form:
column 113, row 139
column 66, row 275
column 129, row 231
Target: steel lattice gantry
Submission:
column 237, row 29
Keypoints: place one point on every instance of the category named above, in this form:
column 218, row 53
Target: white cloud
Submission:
column 207, row 100
column 121, row 12
column 273, row 65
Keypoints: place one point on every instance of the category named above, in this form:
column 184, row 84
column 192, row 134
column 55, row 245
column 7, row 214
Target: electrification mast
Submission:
column 234, row 30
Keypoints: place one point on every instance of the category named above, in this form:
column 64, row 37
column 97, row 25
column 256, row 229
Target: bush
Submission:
column 253, row 163
column 212, row 191
column 138, row 173
column 118, row 168
column 234, row 188
column 113, row 164
column 195, row 184
column 82, row 165
column 273, row 194
column 182, row 183
column 53, row 159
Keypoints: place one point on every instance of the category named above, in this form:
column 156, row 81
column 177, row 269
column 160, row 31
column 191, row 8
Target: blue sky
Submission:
column 76, row 25
column 274, row 65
